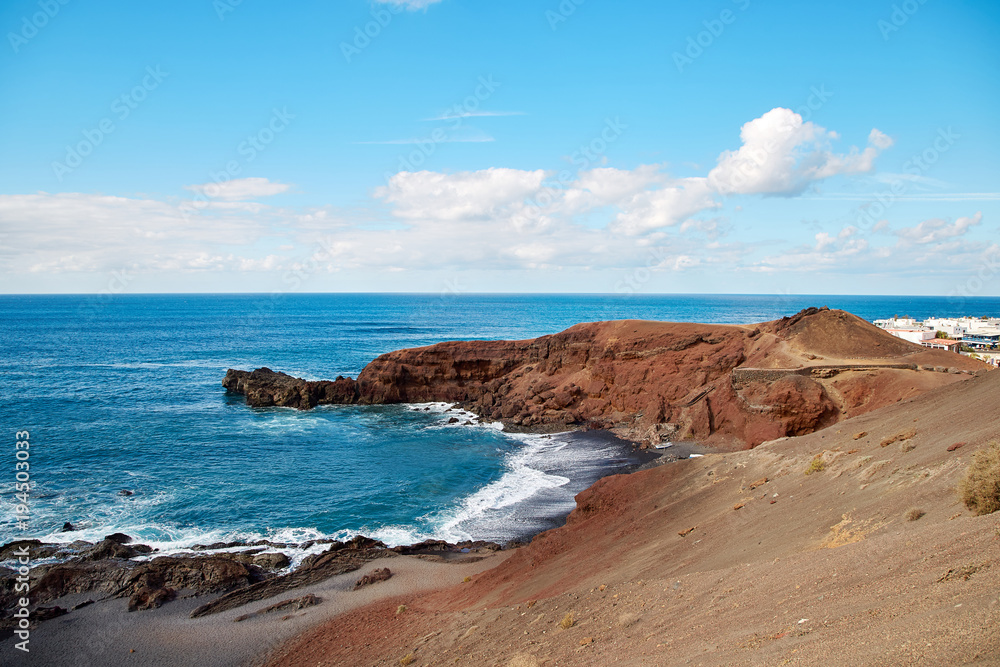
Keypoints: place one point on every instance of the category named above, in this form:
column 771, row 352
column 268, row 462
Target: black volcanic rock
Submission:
column 264, row 387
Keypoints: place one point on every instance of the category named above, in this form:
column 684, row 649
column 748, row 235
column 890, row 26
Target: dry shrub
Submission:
column 627, row 620
column 407, row 659
column 568, row 621
column 817, row 465
column 980, row 489
column 914, row 513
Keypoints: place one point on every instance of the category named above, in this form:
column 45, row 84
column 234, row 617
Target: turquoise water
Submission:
column 124, row 393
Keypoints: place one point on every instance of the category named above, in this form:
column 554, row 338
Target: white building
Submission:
column 951, row 326
column 898, row 323
column 916, row 335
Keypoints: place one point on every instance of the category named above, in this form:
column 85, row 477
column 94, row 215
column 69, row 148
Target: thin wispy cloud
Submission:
column 425, row 140
column 944, row 196
column 452, row 115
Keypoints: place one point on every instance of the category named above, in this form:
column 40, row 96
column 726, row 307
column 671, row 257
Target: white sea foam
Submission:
column 445, row 411
column 523, row 479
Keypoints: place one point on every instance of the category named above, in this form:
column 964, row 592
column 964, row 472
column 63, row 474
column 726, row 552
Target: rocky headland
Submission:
column 732, row 386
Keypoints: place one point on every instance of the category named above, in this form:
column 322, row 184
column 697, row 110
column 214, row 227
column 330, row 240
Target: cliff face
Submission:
column 647, row 380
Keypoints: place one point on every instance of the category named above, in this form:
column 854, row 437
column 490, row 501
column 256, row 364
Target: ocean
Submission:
column 123, row 393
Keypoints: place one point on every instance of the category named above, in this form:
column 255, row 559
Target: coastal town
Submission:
column 976, row 337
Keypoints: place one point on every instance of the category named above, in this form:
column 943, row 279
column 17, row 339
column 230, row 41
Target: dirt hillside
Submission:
column 736, row 558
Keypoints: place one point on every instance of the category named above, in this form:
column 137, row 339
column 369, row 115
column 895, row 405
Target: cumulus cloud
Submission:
column 936, row 230
column 782, row 155
column 240, row 189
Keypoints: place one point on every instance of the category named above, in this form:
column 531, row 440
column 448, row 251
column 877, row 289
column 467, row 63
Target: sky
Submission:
column 729, row 146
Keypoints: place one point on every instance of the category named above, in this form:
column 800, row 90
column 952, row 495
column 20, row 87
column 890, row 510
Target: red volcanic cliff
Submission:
column 649, row 380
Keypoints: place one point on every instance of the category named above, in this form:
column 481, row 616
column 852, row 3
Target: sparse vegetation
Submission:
column 980, row 489
column 914, row 513
column 407, row 659
column 400, row 609
column 567, row 621
column 466, row 580
column 817, row 465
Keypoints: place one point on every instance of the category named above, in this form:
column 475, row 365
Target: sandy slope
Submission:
column 801, row 569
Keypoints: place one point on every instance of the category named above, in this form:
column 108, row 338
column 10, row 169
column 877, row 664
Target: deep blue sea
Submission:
column 125, row 392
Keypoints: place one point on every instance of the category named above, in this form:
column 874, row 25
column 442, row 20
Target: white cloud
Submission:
column 936, row 230
column 664, row 207
column 478, row 195
column 84, row 232
column 606, row 186
column 782, row 155
column 239, row 189
column 490, row 219
column 412, row 5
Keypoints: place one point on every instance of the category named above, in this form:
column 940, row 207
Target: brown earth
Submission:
column 649, row 381
column 740, row 558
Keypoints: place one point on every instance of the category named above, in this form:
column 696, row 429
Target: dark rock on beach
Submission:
column 293, row 604
column 373, row 577
column 340, row 558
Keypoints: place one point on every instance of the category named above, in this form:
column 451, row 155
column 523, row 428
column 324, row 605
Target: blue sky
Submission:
column 463, row 145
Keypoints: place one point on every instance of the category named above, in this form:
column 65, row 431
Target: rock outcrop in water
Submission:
column 647, row 380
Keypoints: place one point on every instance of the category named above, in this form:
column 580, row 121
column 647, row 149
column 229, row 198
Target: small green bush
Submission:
column 816, row 466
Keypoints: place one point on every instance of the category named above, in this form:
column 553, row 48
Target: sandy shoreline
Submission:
column 105, row 634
